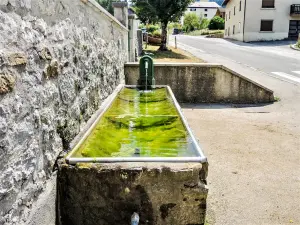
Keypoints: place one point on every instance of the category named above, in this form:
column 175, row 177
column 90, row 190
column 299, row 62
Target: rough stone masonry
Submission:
column 58, row 61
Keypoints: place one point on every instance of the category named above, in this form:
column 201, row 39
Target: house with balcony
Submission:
column 262, row 20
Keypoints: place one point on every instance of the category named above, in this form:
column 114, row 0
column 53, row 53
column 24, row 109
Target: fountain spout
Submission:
column 146, row 74
column 135, row 219
column 146, row 80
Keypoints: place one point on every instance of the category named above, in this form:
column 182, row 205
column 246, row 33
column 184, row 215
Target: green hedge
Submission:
column 216, row 23
column 151, row 28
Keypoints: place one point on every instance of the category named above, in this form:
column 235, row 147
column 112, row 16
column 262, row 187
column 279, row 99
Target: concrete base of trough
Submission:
column 106, row 194
column 204, row 83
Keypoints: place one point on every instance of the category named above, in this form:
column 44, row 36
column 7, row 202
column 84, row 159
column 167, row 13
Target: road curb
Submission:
column 294, row 47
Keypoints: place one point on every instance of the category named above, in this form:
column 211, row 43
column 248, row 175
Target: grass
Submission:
column 173, row 55
column 277, row 99
column 205, row 32
column 208, row 221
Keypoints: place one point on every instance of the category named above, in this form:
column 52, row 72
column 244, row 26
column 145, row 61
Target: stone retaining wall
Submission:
column 58, row 61
column 204, row 83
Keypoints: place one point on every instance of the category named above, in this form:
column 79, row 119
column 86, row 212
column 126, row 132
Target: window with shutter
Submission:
column 268, row 3
column 266, row 25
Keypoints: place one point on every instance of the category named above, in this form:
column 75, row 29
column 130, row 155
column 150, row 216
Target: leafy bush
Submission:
column 175, row 25
column 107, row 4
column 191, row 22
column 156, row 34
column 298, row 44
column 142, row 26
column 151, row 28
column 216, row 23
column 204, row 22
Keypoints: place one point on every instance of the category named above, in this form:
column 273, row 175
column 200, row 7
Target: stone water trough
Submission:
column 137, row 157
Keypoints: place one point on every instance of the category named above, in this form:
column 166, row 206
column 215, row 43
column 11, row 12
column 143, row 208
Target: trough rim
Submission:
column 201, row 158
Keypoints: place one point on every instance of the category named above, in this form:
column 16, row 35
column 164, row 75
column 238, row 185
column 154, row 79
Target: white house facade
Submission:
column 203, row 9
column 262, row 20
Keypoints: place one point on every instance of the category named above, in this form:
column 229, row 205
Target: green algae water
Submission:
column 138, row 124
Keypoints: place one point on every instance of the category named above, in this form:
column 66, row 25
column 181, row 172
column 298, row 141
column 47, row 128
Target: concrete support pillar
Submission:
column 121, row 12
column 140, row 42
column 132, row 26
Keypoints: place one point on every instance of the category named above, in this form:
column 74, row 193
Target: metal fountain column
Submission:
column 146, row 80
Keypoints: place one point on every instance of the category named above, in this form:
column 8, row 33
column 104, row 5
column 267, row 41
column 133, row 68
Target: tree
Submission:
column 145, row 15
column 164, row 11
column 216, row 23
column 107, row 5
column 204, row 22
column 191, row 22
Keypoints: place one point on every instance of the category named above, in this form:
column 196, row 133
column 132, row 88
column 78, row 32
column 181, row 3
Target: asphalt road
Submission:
column 273, row 58
column 253, row 150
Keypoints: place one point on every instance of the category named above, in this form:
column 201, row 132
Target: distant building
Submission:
column 262, row 20
column 219, row 2
column 221, row 12
column 203, row 9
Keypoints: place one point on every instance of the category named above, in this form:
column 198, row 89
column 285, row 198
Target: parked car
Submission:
column 177, row 31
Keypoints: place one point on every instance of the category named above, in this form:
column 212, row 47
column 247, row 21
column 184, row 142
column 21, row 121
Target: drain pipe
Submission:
column 245, row 7
column 135, row 219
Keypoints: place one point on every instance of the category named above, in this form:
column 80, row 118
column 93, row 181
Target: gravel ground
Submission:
column 254, row 156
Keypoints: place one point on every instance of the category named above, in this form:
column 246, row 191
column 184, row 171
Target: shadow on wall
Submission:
column 108, row 197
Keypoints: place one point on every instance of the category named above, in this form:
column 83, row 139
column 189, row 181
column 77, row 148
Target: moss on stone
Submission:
column 137, row 124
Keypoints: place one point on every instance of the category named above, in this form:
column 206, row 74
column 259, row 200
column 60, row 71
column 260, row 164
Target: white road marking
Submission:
column 190, row 47
column 253, row 68
column 287, row 76
column 298, row 72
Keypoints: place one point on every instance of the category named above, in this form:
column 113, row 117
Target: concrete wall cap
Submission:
column 178, row 64
column 120, row 4
column 102, row 10
column 131, row 16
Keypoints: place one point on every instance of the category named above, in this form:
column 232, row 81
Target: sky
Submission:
column 217, row 1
